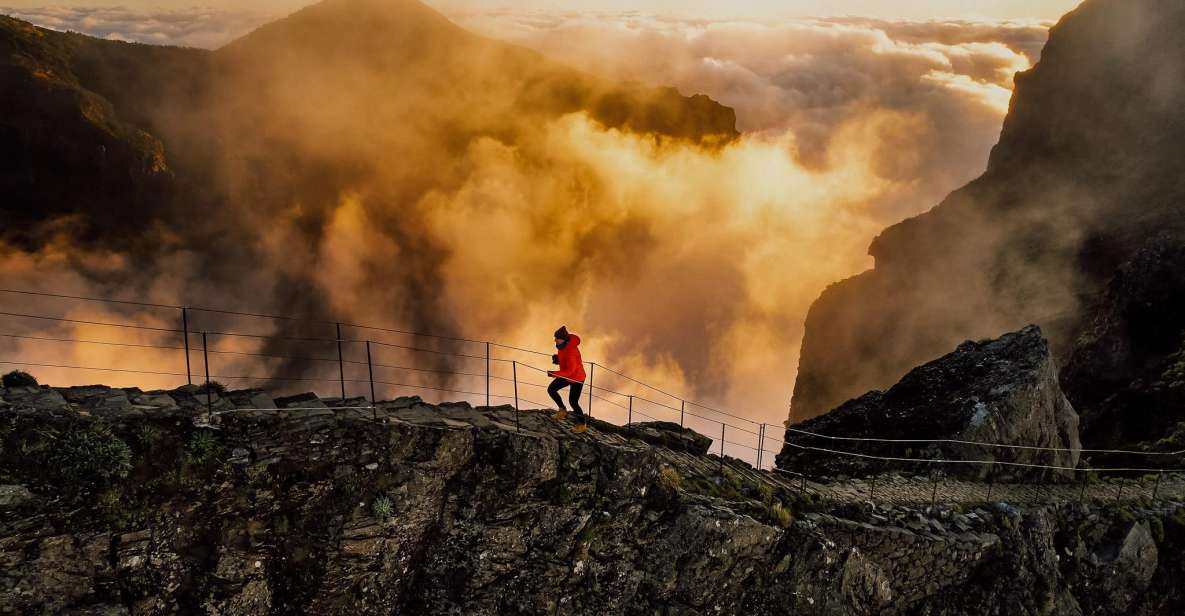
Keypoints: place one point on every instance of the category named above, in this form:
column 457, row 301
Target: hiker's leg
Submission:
column 553, row 390
column 574, row 398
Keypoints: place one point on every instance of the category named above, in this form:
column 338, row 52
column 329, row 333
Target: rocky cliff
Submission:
column 1127, row 368
column 120, row 501
column 1087, row 167
column 996, row 391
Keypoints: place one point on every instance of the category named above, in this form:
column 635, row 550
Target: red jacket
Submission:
column 571, row 366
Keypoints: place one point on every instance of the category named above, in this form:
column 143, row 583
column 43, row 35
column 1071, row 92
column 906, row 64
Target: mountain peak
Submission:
column 346, row 23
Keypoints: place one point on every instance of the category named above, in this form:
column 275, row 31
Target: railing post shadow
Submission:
column 1156, row 488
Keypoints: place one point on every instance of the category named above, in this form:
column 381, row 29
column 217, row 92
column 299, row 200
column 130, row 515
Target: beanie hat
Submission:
column 562, row 333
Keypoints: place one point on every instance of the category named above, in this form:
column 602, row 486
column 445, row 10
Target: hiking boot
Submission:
column 580, row 428
column 560, row 415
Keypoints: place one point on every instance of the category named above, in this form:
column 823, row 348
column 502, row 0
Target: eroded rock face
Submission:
column 1126, row 374
column 446, row 509
column 996, row 391
column 1087, row 168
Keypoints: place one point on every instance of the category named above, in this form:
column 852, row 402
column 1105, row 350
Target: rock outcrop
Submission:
column 1088, row 165
column 119, row 501
column 1126, row 373
column 997, row 391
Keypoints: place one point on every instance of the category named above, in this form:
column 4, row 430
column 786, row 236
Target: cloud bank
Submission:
column 692, row 267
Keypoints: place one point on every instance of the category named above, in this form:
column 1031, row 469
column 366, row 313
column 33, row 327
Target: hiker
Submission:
column 570, row 375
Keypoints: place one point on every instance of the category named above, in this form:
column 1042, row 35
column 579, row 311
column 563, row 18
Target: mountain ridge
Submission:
column 1083, row 174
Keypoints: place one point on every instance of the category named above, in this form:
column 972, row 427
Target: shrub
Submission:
column 215, row 387
column 383, row 508
column 19, row 378
column 91, row 454
column 780, row 515
column 147, row 436
column 766, row 492
column 670, row 478
column 202, row 447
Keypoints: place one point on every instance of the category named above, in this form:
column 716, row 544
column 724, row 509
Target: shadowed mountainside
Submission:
column 1088, row 166
column 219, row 161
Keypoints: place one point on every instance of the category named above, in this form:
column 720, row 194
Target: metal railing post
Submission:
column 514, row 377
column 341, row 365
column 487, row 374
column 185, row 329
column 370, row 372
column 630, row 418
column 760, row 444
column 592, row 370
column 206, row 360
column 722, row 426
column 682, row 410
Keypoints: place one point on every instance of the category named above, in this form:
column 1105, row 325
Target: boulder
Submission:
column 1001, row 391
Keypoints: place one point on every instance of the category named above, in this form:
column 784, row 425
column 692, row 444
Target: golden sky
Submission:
column 903, row 9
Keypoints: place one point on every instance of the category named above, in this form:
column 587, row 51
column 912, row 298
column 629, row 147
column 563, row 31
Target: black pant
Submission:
column 574, row 390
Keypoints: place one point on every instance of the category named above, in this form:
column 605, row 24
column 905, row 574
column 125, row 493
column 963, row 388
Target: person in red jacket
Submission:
column 570, row 375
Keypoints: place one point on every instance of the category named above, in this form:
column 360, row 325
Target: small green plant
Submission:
column 90, row 454
column 147, row 436
column 202, row 447
column 383, row 508
column 110, row 504
column 766, row 492
column 280, row 525
column 19, row 378
column 670, row 478
column 215, row 387
column 780, row 515
column 257, row 475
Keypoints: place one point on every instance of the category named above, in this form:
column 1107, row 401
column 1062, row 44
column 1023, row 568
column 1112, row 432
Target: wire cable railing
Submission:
column 598, row 395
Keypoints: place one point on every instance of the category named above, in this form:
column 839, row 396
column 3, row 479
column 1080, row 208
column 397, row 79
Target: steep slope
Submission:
column 222, row 160
column 120, row 501
column 1089, row 164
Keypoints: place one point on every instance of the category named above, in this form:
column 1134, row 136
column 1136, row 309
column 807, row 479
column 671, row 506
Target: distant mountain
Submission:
column 149, row 150
column 1089, row 166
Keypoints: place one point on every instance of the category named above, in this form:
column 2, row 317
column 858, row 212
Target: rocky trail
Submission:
column 119, row 501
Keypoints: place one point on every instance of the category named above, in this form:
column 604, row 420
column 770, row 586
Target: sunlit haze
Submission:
column 688, row 265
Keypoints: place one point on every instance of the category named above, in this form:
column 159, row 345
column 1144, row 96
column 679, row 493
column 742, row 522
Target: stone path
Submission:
column 904, row 490
column 898, row 489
